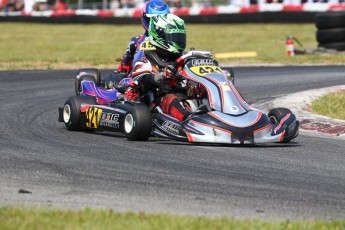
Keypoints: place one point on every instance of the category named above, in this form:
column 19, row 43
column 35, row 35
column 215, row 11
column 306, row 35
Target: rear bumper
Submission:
column 60, row 119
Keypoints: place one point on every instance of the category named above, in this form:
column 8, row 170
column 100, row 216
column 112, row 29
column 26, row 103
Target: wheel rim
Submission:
column 129, row 123
column 66, row 113
column 273, row 119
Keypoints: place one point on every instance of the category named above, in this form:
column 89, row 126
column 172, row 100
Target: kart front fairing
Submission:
column 253, row 127
column 230, row 119
column 222, row 94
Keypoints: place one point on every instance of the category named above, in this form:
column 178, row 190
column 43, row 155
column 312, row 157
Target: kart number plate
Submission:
column 93, row 116
column 204, row 70
column 146, row 45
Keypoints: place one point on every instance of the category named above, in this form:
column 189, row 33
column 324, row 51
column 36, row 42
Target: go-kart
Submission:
column 225, row 118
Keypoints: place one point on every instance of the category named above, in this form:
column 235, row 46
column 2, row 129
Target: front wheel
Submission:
column 290, row 125
column 276, row 114
column 137, row 123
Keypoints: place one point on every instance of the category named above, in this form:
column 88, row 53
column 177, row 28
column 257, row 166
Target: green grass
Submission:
column 43, row 46
column 56, row 46
column 36, row 219
column 331, row 105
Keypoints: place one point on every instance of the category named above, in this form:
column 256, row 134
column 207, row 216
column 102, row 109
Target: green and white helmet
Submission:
column 168, row 32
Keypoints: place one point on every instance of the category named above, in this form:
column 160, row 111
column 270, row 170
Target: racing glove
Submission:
column 131, row 94
column 169, row 71
column 159, row 78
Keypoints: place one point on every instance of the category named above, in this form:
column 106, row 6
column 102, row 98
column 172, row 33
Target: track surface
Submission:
column 54, row 167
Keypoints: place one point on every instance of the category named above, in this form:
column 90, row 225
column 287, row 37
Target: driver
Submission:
column 167, row 33
column 133, row 51
column 150, row 9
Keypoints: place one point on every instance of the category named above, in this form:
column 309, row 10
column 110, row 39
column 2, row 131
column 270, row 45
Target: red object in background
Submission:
column 3, row 3
column 59, row 6
column 289, row 46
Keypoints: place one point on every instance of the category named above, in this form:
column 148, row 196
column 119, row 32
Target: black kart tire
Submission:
column 115, row 77
column 71, row 111
column 137, row 123
column 78, row 88
column 275, row 116
column 339, row 46
column 331, row 35
column 87, row 74
column 328, row 20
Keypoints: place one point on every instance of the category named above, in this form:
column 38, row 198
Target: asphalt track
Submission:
column 42, row 164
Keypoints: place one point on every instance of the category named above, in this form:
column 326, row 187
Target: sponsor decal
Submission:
column 204, row 70
column 171, row 31
column 146, row 45
column 93, row 116
column 170, row 127
column 199, row 62
column 233, row 109
column 110, row 120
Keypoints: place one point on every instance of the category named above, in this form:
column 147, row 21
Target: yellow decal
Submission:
column 93, row 115
column 146, row 45
column 204, row 70
column 236, row 54
column 226, row 88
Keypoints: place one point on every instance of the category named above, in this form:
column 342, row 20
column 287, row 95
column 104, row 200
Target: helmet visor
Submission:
column 179, row 38
column 150, row 15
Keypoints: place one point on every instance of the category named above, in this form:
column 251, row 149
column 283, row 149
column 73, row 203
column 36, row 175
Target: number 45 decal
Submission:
column 204, row 70
column 146, row 45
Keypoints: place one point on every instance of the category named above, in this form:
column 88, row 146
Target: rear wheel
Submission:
column 71, row 113
column 137, row 123
column 78, row 83
column 89, row 74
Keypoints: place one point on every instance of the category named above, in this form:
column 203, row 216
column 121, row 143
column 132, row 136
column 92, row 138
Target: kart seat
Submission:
column 103, row 96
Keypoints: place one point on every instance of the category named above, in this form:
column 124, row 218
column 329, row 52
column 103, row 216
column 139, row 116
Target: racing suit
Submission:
column 162, row 84
column 131, row 55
